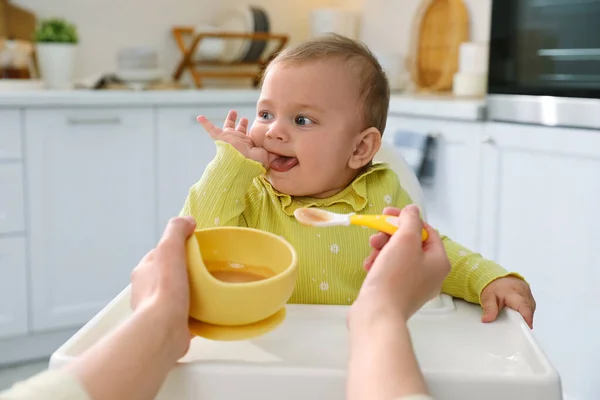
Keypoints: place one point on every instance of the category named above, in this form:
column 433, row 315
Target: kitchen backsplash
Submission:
column 387, row 24
column 107, row 25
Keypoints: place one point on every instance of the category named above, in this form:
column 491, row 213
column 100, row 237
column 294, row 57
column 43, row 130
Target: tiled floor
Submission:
column 10, row 375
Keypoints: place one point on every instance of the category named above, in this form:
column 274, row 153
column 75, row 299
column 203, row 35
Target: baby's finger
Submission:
column 378, row 240
column 489, row 303
column 230, row 120
column 213, row 131
column 522, row 306
column 242, row 126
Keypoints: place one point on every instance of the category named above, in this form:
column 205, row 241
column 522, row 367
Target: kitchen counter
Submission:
column 432, row 106
column 111, row 98
column 437, row 106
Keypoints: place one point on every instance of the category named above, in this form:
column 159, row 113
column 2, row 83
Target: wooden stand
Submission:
column 222, row 69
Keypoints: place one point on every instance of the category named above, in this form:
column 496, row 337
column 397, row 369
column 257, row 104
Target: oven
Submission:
column 545, row 62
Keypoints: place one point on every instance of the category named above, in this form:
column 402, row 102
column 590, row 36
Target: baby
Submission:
column 320, row 118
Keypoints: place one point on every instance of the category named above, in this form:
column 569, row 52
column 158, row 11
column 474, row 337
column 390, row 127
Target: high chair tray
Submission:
column 306, row 356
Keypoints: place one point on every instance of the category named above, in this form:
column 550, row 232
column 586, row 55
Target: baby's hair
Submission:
column 373, row 83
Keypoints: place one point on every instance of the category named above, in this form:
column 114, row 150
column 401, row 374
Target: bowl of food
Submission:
column 240, row 280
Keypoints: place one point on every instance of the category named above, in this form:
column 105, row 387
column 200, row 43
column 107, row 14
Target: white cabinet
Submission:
column 92, row 203
column 540, row 216
column 452, row 198
column 13, row 287
column 184, row 150
column 11, row 198
column 10, row 134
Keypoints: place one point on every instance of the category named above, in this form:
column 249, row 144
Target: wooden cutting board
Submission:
column 439, row 27
column 16, row 22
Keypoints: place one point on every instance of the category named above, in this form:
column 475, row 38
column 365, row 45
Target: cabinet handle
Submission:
column 94, row 121
column 488, row 140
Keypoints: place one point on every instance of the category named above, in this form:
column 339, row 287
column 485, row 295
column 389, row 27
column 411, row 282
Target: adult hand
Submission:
column 404, row 271
column 237, row 136
column 160, row 281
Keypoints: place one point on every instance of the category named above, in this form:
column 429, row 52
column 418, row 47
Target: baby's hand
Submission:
column 236, row 136
column 511, row 292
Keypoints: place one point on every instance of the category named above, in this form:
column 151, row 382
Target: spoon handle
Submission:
column 383, row 223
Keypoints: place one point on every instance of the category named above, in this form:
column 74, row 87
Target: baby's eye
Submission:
column 301, row 121
column 265, row 115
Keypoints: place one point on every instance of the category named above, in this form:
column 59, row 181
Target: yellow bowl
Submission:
column 216, row 302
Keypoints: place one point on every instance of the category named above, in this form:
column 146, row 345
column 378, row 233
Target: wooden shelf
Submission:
column 221, row 69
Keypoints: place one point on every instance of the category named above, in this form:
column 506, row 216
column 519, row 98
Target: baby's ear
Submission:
column 366, row 145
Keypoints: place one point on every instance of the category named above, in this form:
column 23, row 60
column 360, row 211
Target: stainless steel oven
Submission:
column 545, row 62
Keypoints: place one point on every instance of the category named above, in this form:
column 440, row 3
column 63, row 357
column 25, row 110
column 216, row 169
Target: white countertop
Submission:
column 423, row 106
column 437, row 106
column 107, row 98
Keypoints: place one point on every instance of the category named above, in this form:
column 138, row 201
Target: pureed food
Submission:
column 233, row 272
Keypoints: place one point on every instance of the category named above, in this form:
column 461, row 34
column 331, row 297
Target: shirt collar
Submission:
column 355, row 194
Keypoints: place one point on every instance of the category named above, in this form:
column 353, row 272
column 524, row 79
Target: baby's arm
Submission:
column 219, row 198
column 472, row 277
column 470, row 273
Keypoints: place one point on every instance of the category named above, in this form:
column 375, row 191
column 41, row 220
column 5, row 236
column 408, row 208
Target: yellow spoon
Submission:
column 321, row 218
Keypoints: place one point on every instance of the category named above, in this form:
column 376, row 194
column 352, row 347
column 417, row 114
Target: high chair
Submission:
column 408, row 180
column 306, row 356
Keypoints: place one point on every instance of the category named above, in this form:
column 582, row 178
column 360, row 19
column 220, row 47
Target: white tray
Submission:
column 306, row 357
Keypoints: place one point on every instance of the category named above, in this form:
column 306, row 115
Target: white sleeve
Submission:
column 48, row 385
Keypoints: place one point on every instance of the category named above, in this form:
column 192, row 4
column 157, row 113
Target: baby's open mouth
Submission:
column 283, row 163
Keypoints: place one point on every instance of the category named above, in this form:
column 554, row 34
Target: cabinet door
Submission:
column 11, row 198
column 13, row 287
column 452, row 198
column 184, row 150
column 10, row 134
column 540, row 217
column 92, row 205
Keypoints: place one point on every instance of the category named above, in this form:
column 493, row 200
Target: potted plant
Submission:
column 56, row 49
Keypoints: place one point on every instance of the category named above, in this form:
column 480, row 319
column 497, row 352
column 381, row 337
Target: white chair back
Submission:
column 409, row 181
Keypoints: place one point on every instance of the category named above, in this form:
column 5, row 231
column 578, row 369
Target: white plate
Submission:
column 238, row 20
column 209, row 49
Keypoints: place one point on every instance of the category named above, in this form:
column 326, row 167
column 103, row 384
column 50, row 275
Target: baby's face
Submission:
column 308, row 117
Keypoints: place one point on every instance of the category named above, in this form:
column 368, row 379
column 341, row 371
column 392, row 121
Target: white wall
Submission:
column 107, row 25
column 387, row 24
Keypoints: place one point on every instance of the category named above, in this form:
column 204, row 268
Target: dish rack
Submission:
column 200, row 69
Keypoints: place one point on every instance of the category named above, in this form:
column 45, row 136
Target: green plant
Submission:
column 56, row 30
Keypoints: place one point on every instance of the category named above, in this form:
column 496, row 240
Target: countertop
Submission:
column 423, row 106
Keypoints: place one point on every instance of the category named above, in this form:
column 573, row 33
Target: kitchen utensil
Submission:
column 321, row 218
column 439, row 28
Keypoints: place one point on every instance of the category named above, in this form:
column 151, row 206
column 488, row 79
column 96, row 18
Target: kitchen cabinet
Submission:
column 10, row 134
column 540, row 216
column 13, row 287
column 12, row 218
column 92, row 205
column 184, row 151
column 451, row 200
